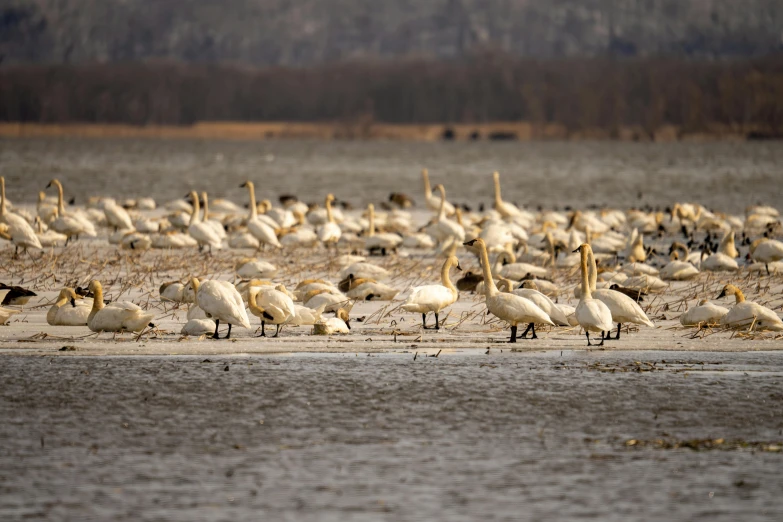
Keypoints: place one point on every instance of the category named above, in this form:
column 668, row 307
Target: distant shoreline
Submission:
column 497, row 131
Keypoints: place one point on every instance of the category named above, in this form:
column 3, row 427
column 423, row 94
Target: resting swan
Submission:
column 509, row 307
column 220, row 301
column 434, row 298
column 22, row 234
column 703, row 314
column 329, row 233
column 119, row 316
column 67, row 312
column 385, row 241
column 766, row 251
column 678, row 270
column 72, row 225
column 339, row 324
column 745, row 313
column 593, row 315
column 272, row 306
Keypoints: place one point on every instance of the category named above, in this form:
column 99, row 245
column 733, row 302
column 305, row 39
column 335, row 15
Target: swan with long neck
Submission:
column 220, row 301
column 119, row 316
column 446, row 228
column 505, row 209
column 22, row 234
column 272, row 306
column 72, row 226
column 434, row 202
column 329, row 233
column 265, row 232
column 384, row 241
column 592, row 314
column 434, row 298
column 509, row 307
column 200, row 231
column 746, row 313
column 69, row 310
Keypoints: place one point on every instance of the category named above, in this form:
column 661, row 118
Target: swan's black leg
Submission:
column 604, row 338
column 263, row 333
column 217, row 323
column 513, row 337
column 277, row 332
column 437, row 326
column 524, row 334
column 588, row 337
column 229, row 331
column 766, row 265
column 424, row 321
column 533, row 327
column 617, row 337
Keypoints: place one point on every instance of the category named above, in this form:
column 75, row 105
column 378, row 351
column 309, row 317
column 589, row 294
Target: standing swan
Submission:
column 509, row 307
column 272, row 306
column 329, row 232
column 507, row 210
column 119, row 316
column 202, row 232
column 22, row 234
column 220, row 301
column 592, row 314
column 434, row 202
column 262, row 231
column 434, row 298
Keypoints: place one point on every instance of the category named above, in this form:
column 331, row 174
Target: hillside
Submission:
column 307, row 32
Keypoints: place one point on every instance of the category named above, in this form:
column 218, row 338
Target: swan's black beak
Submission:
column 722, row 294
column 469, row 243
column 459, row 267
column 243, row 185
column 49, row 184
column 73, row 302
column 577, row 250
column 348, row 324
column 133, row 245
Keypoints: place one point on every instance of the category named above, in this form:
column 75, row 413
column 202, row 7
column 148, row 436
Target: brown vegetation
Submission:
column 591, row 98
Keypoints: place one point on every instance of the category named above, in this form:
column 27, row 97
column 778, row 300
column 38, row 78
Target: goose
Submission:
column 220, row 301
column 72, row 225
column 370, row 290
column 592, row 314
column 202, row 232
column 766, row 251
column 384, row 242
column 272, row 306
column 434, row 298
column 506, row 210
column 677, row 270
column 255, row 269
column 264, row 232
column 329, row 233
column 746, row 313
column 444, row 227
column 706, row 313
column 16, row 295
column 434, row 202
column 341, row 323
column 67, row 312
column 216, row 226
column 508, row 307
column 22, row 234
column 119, row 316
column 117, row 217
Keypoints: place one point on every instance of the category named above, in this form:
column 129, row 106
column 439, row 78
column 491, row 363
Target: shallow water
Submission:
column 727, row 176
column 345, row 437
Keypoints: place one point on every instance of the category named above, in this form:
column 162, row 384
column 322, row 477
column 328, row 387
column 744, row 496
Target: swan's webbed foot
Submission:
column 437, row 324
column 277, row 333
column 229, row 332
column 530, row 327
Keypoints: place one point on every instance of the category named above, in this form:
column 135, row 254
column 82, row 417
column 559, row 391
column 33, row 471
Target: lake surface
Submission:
column 724, row 176
column 534, row 436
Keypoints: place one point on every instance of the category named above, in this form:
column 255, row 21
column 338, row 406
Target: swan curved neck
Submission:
column 585, row 279
column 740, row 297
column 444, row 275
column 490, row 289
column 97, row 298
column 60, row 202
column 194, row 284
column 251, row 190
column 442, row 211
column 206, row 206
column 371, row 211
column 196, row 209
column 427, row 189
column 593, row 270
column 498, row 199
column 329, row 216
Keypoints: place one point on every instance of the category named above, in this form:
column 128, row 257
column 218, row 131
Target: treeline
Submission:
column 578, row 94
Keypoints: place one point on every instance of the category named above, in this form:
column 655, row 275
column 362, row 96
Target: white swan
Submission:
column 255, row 269
column 48, row 237
column 72, row 225
column 766, row 251
column 202, row 232
column 22, row 234
column 719, row 262
column 305, row 316
column 119, row 316
column 434, row 202
column 177, row 292
column 261, row 230
column 272, row 306
column 331, row 302
column 529, row 290
column 339, row 324
column 66, row 311
column 446, row 228
column 506, row 210
column 117, row 217
column 200, row 326
column 370, row 290
column 217, row 226
column 434, row 298
column 385, row 241
column 509, row 307
column 506, row 266
column 220, row 301
column 592, row 314
column 364, row 271
column 704, row 314
column 677, row 270
column 746, row 313
column 329, row 233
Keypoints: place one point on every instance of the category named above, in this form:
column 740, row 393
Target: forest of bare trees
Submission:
column 594, row 93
